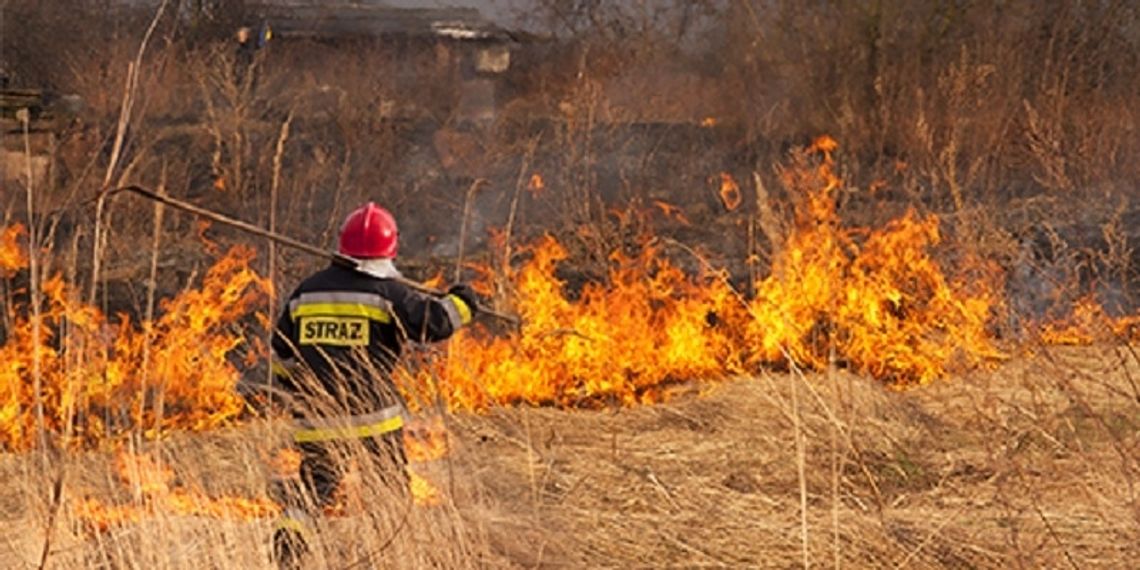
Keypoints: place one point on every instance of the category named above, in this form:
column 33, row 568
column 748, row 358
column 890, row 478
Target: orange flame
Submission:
column 875, row 301
column 101, row 378
column 672, row 212
column 201, row 226
column 1088, row 322
column 729, row 192
column 150, row 482
column 826, row 145
column 882, row 305
column 286, row 462
column 425, row 441
column 435, row 281
column 12, row 256
column 424, row 494
column 536, row 184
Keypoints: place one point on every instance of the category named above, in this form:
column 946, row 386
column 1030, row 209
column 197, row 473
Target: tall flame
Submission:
column 876, row 301
column 100, row 378
column 873, row 300
column 881, row 305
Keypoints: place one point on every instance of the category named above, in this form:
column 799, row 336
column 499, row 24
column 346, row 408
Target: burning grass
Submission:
column 12, row 254
column 876, row 302
column 1087, row 323
column 156, row 494
column 1031, row 465
column 102, row 378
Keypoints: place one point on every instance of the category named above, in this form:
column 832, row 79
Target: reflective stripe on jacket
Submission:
column 379, row 423
column 348, row 329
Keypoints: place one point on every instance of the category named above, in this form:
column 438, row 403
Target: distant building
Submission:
column 28, row 121
column 473, row 48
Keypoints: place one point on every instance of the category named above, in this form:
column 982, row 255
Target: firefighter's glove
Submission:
column 466, row 294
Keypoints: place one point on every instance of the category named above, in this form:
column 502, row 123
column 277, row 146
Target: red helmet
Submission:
column 369, row 232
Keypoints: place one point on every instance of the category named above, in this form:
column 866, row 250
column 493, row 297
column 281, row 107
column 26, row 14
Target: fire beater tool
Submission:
column 336, row 257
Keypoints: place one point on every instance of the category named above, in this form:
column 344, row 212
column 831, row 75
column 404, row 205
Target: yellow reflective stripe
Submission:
column 291, row 524
column 279, row 368
column 352, row 420
column 348, row 432
column 461, row 306
column 341, row 310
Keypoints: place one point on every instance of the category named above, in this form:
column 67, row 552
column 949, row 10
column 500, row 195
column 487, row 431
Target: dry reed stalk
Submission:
column 274, row 189
column 53, row 514
column 439, row 405
column 836, row 555
column 508, row 230
column 847, row 430
column 5, row 317
column 130, row 92
column 751, row 261
column 34, row 285
column 801, row 457
column 151, row 287
column 769, row 221
column 211, row 125
column 71, row 366
column 37, row 372
column 530, row 460
column 467, row 199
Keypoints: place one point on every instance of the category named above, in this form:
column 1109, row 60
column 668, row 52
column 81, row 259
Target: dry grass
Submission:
column 1028, row 466
column 1032, row 465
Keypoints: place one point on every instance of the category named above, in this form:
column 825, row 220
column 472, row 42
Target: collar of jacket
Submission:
column 378, row 268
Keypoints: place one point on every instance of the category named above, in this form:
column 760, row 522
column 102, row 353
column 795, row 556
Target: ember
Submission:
column 729, row 192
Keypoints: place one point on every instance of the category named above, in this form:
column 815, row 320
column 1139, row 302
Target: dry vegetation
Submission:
column 1029, row 466
column 1016, row 123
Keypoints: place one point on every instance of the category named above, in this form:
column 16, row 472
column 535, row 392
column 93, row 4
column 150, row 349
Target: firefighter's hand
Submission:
column 466, row 294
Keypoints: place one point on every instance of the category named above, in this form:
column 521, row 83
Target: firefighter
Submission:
column 245, row 55
column 336, row 343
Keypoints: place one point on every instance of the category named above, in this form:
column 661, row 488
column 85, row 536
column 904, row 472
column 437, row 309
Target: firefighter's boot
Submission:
column 290, row 546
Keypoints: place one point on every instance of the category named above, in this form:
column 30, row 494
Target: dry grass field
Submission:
column 1031, row 465
column 841, row 284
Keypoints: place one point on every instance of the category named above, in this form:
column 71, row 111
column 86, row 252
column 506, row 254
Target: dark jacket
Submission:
column 347, row 329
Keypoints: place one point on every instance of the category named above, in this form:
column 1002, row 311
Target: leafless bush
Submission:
column 976, row 102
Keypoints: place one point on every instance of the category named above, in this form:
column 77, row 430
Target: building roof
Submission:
column 343, row 19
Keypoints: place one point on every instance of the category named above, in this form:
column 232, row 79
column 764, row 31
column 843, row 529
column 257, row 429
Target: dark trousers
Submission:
column 322, row 470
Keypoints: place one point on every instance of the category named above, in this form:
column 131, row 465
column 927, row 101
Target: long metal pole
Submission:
column 336, row 257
